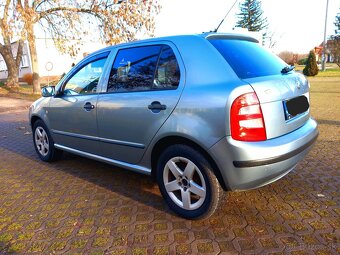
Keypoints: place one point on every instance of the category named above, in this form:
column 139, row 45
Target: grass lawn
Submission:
column 325, row 90
column 299, row 67
column 324, row 97
column 332, row 70
column 23, row 92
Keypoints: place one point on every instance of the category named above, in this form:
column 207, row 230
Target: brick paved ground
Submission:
column 81, row 206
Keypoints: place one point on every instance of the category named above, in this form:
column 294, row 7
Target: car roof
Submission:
column 208, row 35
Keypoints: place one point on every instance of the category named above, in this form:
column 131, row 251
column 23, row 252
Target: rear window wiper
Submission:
column 287, row 69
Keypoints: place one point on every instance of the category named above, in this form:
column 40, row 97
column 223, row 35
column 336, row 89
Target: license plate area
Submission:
column 295, row 106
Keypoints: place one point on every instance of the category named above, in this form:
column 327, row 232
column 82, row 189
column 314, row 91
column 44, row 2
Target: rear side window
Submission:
column 248, row 59
column 144, row 68
column 167, row 74
column 134, row 69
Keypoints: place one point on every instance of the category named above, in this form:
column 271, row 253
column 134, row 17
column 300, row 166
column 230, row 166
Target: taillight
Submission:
column 246, row 119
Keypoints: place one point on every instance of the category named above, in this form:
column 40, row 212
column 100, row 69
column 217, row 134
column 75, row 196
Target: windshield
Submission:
column 248, row 59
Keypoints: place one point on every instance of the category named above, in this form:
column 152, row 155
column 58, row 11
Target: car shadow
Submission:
column 328, row 122
column 16, row 136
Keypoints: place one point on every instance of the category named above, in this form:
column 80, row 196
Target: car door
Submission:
column 72, row 113
column 143, row 88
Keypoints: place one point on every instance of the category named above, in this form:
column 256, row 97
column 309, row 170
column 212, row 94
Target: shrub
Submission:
column 302, row 61
column 311, row 68
column 28, row 78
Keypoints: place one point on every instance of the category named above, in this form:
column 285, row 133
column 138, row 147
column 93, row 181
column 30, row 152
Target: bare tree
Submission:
column 8, row 30
column 287, row 56
column 272, row 38
column 67, row 21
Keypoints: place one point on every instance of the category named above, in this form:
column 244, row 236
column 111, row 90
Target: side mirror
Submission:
column 48, row 91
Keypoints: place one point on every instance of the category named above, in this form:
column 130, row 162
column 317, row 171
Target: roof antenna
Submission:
column 225, row 17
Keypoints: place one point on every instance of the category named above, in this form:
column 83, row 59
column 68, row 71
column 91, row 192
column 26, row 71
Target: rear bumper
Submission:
column 248, row 165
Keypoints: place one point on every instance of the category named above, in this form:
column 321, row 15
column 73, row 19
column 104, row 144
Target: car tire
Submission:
column 43, row 143
column 187, row 182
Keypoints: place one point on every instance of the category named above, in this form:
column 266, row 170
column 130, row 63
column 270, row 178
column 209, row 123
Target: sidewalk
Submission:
column 13, row 104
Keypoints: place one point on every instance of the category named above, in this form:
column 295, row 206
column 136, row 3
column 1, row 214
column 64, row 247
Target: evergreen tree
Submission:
column 251, row 16
column 311, row 68
column 337, row 24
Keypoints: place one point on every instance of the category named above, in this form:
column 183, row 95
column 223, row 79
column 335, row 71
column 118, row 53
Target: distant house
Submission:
column 47, row 54
column 25, row 64
column 318, row 54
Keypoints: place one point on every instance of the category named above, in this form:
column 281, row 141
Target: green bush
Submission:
column 311, row 68
column 302, row 61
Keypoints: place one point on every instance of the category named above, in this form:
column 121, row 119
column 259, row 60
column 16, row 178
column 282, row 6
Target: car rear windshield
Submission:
column 248, row 59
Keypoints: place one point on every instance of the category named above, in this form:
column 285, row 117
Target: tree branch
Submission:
column 6, row 9
column 1, row 48
column 3, row 24
column 19, row 6
column 37, row 3
column 19, row 52
column 69, row 9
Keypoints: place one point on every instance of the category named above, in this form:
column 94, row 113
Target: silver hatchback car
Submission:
column 202, row 114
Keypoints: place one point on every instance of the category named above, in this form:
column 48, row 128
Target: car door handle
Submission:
column 88, row 106
column 156, row 106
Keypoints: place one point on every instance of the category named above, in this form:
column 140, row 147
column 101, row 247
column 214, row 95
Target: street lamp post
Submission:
column 324, row 41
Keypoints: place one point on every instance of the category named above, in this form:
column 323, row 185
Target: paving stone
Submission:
column 80, row 206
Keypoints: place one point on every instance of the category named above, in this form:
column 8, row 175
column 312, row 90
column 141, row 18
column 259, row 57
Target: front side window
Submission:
column 85, row 81
column 167, row 74
column 134, row 69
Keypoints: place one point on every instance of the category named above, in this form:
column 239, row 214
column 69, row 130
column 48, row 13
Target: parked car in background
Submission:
column 202, row 114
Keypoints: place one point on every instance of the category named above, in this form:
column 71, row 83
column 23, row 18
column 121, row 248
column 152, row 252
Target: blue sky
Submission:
column 298, row 24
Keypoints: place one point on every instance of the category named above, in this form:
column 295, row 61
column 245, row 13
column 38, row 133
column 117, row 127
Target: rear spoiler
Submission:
column 231, row 37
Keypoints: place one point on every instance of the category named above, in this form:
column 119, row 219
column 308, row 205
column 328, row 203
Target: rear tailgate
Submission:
column 283, row 93
column 284, row 100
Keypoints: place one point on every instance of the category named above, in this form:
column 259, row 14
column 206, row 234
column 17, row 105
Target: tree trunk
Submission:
column 34, row 59
column 12, row 68
column 13, row 75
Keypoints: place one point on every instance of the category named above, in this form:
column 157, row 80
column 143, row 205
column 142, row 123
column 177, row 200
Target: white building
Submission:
column 47, row 55
column 25, row 65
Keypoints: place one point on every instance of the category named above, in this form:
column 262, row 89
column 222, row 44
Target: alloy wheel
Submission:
column 41, row 141
column 184, row 183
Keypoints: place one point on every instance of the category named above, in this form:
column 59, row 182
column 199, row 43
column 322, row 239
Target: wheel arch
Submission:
column 34, row 118
column 165, row 142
